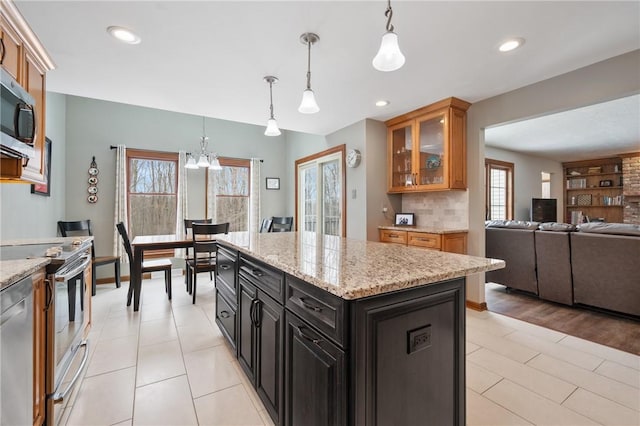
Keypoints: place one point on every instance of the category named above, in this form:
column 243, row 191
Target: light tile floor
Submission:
column 168, row 364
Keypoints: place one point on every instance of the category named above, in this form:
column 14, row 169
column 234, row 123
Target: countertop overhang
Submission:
column 426, row 229
column 353, row 269
column 12, row 271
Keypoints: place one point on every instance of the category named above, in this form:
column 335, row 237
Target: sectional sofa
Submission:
column 595, row 264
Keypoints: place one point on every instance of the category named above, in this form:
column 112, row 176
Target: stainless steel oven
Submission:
column 66, row 318
column 66, row 321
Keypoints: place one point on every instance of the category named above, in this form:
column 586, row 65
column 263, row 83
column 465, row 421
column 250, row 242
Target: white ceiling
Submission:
column 209, row 57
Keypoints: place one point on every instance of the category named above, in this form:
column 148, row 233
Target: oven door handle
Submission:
column 58, row 397
column 75, row 271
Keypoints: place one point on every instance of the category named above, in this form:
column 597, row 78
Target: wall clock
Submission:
column 353, row 158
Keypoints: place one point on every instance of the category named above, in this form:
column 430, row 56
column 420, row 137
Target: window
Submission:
column 152, row 198
column 499, row 189
column 546, row 184
column 320, row 192
column 232, row 190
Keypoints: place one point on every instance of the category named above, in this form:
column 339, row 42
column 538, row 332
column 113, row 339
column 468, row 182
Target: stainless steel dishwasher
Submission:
column 16, row 353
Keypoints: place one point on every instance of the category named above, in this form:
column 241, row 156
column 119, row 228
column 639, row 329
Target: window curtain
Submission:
column 181, row 202
column 254, row 197
column 212, row 192
column 120, row 211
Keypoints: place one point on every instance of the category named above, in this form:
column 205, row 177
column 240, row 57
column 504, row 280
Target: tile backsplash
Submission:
column 438, row 209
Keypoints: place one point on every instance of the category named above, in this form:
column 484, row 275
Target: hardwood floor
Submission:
column 610, row 330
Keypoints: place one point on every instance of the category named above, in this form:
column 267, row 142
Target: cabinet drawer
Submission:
column 269, row 280
column 226, row 270
column 389, row 236
column 422, row 239
column 324, row 311
column 226, row 318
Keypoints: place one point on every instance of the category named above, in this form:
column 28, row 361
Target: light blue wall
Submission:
column 26, row 215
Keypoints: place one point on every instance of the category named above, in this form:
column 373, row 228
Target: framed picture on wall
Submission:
column 44, row 188
column 273, row 183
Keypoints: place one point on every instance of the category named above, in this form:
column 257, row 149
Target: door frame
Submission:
column 337, row 149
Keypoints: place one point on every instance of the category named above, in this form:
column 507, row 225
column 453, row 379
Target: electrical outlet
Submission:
column 418, row 339
column 384, row 209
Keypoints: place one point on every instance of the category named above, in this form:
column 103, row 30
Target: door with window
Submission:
column 320, row 192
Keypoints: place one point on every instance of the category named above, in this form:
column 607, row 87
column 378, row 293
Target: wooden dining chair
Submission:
column 147, row 265
column 281, row 224
column 188, row 224
column 83, row 228
column 204, row 249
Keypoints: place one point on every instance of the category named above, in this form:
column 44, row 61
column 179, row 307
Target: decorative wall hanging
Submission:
column 93, row 182
column 44, row 188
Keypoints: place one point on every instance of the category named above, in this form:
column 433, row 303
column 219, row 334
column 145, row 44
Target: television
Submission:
column 544, row 210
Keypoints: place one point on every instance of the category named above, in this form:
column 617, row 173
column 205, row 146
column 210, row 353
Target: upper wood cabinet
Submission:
column 426, row 148
column 24, row 57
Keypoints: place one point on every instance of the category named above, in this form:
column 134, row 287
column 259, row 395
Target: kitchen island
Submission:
column 337, row 331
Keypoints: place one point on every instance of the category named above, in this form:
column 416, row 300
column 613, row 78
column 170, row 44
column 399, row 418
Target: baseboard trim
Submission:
column 476, row 306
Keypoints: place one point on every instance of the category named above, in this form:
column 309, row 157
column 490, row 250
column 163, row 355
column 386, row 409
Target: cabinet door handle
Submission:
column 257, row 272
column 310, row 306
column 49, row 291
column 309, row 338
column 393, row 235
column 2, row 51
column 224, row 314
column 255, row 312
column 225, row 266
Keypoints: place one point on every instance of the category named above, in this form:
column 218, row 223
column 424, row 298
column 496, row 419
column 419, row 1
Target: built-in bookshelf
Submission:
column 593, row 190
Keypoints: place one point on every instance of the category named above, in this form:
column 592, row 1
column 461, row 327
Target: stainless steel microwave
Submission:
column 18, row 119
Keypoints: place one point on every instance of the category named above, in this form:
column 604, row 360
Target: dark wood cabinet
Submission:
column 260, row 343
column 226, row 318
column 317, row 359
column 41, row 299
column 408, row 357
column 315, row 377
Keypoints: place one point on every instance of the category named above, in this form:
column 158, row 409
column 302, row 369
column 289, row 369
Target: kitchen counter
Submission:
column 353, row 269
column 14, row 270
column 426, row 229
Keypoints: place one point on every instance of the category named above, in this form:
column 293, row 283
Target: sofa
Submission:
column 593, row 264
column 605, row 264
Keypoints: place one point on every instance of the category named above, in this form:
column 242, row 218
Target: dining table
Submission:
column 142, row 243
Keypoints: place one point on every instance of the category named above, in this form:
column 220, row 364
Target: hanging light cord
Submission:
column 203, row 142
column 389, row 14
column 309, row 64
column 271, row 98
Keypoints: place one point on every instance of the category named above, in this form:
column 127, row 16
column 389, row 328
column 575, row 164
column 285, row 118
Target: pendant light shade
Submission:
column 215, row 163
column 191, row 162
column 203, row 161
column 308, row 104
column 389, row 57
column 272, row 126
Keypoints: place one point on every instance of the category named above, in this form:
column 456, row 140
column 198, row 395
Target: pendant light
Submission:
column 272, row 126
column 203, row 159
column 308, row 104
column 389, row 57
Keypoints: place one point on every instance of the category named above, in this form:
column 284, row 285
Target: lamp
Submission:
column 203, row 159
column 389, row 57
column 308, row 104
column 272, row 125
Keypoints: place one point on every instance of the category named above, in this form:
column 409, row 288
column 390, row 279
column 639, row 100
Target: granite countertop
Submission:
column 429, row 230
column 353, row 269
column 14, row 270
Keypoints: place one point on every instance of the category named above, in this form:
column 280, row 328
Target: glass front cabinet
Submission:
column 426, row 148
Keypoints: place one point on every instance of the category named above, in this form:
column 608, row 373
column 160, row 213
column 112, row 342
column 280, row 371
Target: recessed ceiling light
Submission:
column 124, row 35
column 382, row 103
column 511, row 44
